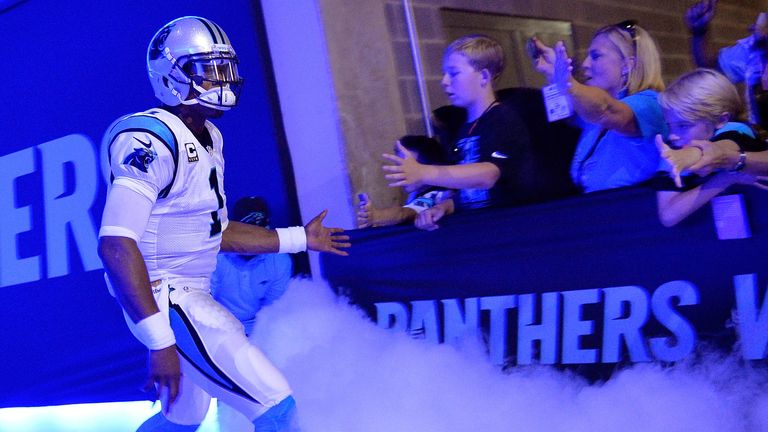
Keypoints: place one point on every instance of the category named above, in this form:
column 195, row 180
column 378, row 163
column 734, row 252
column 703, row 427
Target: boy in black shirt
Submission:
column 490, row 153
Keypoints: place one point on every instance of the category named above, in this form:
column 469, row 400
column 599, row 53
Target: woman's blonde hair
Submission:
column 702, row 94
column 646, row 70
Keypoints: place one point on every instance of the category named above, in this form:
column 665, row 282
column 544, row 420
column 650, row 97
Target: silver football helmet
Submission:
column 190, row 60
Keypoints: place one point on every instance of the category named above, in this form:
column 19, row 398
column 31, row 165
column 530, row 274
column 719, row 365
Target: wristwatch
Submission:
column 741, row 162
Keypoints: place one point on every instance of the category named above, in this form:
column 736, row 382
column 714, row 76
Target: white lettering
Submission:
column 68, row 184
column 574, row 327
column 424, row 320
column 631, row 301
column 499, row 307
column 753, row 322
column 16, row 220
column 392, row 315
column 546, row 332
column 458, row 323
column 72, row 210
column 684, row 340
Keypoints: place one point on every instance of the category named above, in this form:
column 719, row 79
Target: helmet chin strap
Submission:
column 211, row 98
column 221, row 98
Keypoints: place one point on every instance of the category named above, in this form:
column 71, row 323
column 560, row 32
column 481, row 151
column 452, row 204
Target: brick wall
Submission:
column 663, row 19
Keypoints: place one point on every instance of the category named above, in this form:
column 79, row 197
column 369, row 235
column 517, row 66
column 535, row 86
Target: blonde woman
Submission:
column 616, row 105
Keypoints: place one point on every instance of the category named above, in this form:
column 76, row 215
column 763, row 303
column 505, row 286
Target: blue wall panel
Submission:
column 69, row 69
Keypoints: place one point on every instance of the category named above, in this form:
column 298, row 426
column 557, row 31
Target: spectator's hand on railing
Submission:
column 366, row 212
column 404, row 170
column 544, row 63
column 427, row 220
column 698, row 16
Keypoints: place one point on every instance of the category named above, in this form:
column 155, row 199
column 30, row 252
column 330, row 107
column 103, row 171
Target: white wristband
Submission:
column 154, row 331
column 292, row 239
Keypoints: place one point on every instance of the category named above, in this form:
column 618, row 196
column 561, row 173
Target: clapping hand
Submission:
column 324, row 239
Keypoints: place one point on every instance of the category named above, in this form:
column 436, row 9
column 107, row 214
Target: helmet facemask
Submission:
column 214, row 79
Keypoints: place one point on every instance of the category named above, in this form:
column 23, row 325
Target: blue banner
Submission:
column 591, row 280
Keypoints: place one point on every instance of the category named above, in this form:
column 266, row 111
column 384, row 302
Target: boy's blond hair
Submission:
column 481, row 52
column 702, row 94
column 646, row 73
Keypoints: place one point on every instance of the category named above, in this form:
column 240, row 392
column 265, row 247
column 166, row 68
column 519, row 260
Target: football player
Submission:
column 164, row 222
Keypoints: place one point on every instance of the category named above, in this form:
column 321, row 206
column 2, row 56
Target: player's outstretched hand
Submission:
column 323, row 239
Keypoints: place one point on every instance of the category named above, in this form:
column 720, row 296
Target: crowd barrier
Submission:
column 589, row 280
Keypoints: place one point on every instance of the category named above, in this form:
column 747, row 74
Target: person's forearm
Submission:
column 480, row 175
column 756, row 164
column 392, row 216
column 596, row 106
column 676, row 206
column 703, row 55
column 448, row 205
column 128, row 276
column 725, row 154
column 249, row 239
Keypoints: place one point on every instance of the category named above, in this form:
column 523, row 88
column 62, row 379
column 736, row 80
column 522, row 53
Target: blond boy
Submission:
column 700, row 107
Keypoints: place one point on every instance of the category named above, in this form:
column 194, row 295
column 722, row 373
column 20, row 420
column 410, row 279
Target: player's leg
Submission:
column 185, row 415
column 158, row 423
column 225, row 364
column 279, row 418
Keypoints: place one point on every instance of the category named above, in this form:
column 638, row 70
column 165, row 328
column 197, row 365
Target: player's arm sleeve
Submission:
column 126, row 213
column 138, row 174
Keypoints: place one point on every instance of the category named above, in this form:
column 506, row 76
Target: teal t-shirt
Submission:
column 605, row 159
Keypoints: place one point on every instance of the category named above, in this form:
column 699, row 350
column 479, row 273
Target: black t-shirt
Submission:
column 499, row 137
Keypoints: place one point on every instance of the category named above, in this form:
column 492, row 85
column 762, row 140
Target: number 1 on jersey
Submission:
column 213, row 179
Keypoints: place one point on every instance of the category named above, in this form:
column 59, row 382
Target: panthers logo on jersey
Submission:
column 140, row 158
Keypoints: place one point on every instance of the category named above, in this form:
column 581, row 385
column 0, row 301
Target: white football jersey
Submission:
column 155, row 154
